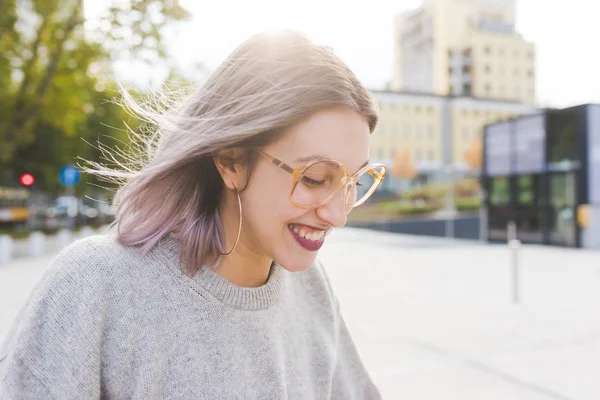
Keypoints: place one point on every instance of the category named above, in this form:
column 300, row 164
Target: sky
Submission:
column 361, row 32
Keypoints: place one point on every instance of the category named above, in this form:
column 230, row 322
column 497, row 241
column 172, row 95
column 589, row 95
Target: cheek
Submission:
column 267, row 208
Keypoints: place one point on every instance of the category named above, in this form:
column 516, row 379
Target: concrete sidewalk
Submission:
column 433, row 318
column 434, row 321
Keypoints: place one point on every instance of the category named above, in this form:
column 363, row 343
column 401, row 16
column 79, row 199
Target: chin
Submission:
column 297, row 265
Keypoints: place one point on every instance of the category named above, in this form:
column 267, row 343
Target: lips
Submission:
column 309, row 238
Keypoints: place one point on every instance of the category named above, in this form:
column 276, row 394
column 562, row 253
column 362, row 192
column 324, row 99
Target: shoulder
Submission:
column 316, row 280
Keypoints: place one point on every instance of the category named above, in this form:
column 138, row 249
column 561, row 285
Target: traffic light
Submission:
column 27, row 180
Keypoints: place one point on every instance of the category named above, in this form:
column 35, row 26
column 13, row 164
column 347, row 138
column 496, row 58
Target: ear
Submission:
column 231, row 164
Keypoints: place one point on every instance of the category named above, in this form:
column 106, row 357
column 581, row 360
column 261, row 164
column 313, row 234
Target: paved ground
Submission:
column 433, row 319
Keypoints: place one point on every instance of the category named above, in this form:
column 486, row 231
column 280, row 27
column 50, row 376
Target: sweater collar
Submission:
column 250, row 299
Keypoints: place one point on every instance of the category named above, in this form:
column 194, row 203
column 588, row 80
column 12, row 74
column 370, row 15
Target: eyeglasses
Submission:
column 317, row 182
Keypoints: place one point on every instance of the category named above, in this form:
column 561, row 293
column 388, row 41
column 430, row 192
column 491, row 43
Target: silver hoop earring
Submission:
column 240, row 226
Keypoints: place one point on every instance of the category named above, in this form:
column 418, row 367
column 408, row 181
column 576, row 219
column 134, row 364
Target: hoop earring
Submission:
column 240, row 226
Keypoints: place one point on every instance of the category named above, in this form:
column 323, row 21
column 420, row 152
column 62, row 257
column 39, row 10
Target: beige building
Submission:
column 436, row 130
column 464, row 48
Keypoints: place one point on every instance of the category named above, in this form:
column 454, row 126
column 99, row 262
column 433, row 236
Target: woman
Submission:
column 208, row 287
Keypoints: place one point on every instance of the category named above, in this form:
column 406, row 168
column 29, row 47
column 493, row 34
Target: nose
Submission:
column 334, row 211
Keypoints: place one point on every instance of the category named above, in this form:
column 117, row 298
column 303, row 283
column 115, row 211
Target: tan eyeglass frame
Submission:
column 346, row 181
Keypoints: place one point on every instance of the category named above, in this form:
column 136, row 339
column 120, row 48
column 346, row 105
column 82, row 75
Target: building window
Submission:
column 530, row 73
column 419, row 132
column 406, row 131
column 530, row 54
column 417, row 109
column 430, row 110
column 487, row 50
column 419, row 155
column 488, row 89
column 430, row 155
column 430, row 132
column 488, row 69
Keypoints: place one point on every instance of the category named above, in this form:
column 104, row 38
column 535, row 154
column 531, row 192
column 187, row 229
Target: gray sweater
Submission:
column 107, row 322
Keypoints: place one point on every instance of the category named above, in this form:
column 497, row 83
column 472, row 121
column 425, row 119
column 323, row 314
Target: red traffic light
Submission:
column 27, row 180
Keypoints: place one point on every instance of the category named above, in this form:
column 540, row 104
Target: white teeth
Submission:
column 314, row 235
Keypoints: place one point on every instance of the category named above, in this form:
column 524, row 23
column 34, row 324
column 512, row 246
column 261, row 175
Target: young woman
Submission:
column 207, row 287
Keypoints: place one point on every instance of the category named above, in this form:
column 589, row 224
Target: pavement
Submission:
column 435, row 318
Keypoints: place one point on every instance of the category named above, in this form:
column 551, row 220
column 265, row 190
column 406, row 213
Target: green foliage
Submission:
column 467, row 203
column 55, row 79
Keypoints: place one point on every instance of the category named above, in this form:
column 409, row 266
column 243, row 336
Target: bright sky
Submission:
column 361, row 32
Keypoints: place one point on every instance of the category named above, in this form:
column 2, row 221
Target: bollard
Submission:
column 6, row 249
column 514, row 246
column 63, row 238
column 36, row 244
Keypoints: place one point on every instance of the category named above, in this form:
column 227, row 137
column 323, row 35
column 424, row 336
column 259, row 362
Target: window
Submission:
column 406, row 131
column 430, row 132
column 430, row 155
column 418, row 132
column 530, row 73
column 499, row 191
column 487, row 69
column 487, row 50
column 488, row 89
column 430, row 110
column 417, row 109
column 419, row 155
column 530, row 54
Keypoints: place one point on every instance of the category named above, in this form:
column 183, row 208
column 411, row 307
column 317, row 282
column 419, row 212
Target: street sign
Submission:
column 69, row 176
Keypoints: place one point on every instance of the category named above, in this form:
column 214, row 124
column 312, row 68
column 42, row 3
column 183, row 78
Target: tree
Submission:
column 54, row 60
column 404, row 165
column 473, row 155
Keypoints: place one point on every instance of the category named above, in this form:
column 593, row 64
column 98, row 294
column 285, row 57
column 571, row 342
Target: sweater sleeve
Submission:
column 351, row 381
column 53, row 348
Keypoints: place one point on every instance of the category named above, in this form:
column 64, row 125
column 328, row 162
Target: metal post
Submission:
column 450, row 202
column 483, row 218
column 448, row 162
column 514, row 245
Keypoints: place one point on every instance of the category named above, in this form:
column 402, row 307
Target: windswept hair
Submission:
column 270, row 82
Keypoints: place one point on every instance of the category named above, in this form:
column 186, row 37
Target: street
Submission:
column 433, row 319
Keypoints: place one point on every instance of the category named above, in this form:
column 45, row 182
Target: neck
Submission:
column 244, row 271
column 244, row 267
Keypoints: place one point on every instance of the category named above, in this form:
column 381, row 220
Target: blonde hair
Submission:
column 270, row 82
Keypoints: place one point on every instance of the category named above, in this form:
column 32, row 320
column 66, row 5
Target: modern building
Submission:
column 436, row 130
column 464, row 48
column 543, row 173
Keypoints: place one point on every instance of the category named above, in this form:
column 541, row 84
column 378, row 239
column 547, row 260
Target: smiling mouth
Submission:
column 309, row 238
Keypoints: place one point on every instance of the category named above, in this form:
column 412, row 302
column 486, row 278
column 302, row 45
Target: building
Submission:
column 464, row 48
column 542, row 172
column 436, row 130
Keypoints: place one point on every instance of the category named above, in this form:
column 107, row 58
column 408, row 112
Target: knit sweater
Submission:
column 107, row 322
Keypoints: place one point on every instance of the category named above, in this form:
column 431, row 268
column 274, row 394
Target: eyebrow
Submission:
column 316, row 156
